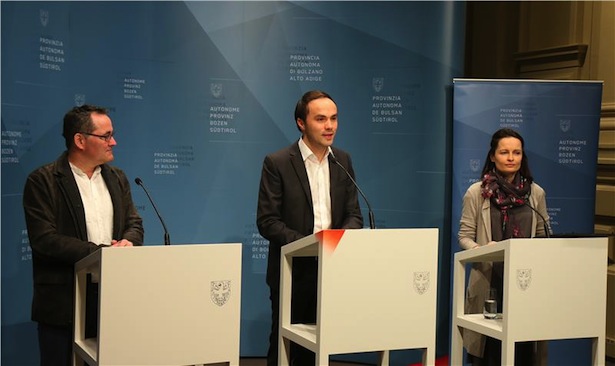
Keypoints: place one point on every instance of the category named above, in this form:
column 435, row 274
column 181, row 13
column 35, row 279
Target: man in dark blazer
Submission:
column 73, row 207
column 302, row 192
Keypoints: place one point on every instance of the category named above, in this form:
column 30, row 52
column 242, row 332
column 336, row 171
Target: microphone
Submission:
column 544, row 222
column 372, row 222
column 526, row 203
column 167, row 239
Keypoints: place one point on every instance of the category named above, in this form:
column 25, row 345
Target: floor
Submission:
column 262, row 362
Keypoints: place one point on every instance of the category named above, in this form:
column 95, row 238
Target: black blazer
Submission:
column 55, row 219
column 285, row 212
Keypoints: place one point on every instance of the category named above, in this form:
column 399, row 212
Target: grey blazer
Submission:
column 475, row 231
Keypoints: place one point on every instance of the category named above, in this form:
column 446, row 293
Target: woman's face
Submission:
column 507, row 157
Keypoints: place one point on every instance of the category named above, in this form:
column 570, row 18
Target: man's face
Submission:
column 320, row 125
column 97, row 149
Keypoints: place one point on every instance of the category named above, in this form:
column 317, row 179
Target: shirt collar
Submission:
column 306, row 152
column 80, row 172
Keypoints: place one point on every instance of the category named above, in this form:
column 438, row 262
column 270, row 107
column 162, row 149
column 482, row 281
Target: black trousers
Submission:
column 303, row 310
column 525, row 354
column 55, row 344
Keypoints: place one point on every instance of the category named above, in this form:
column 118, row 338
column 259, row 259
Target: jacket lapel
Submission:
column 334, row 177
column 299, row 166
column 486, row 212
column 70, row 192
column 114, row 191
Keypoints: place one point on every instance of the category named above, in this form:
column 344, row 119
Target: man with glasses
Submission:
column 73, row 207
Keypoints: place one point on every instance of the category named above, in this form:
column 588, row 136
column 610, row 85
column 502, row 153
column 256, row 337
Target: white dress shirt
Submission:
column 97, row 205
column 318, row 176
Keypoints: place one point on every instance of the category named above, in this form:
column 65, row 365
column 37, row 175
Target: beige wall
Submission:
column 556, row 40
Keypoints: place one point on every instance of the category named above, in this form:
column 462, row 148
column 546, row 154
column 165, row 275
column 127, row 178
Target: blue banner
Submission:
column 560, row 123
column 199, row 92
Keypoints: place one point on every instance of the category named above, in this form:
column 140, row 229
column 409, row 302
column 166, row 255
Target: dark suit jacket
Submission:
column 55, row 219
column 285, row 212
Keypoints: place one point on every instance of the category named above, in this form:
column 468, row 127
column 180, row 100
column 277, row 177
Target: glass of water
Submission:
column 490, row 309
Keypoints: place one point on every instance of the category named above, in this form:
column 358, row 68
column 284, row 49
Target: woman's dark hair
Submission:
column 302, row 110
column 495, row 140
column 79, row 119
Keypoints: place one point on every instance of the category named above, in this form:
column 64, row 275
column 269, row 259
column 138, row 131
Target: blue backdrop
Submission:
column 199, row 92
column 560, row 123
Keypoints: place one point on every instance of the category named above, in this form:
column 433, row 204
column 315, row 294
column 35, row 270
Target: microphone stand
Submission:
column 370, row 212
column 167, row 238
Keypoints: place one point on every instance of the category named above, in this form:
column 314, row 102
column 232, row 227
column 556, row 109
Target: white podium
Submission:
column 553, row 289
column 377, row 292
column 161, row 305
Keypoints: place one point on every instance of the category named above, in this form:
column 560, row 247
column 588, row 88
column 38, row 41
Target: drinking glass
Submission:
column 490, row 309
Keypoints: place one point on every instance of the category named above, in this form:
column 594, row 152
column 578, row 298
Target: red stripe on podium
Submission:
column 330, row 239
column 442, row 361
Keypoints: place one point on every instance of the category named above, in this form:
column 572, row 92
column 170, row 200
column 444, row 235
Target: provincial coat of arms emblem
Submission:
column 216, row 90
column 220, row 292
column 475, row 165
column 524, row 278
column 421, row 282
column 44, row 17
column 564, row 125
column 79, row 99
column 378, row 84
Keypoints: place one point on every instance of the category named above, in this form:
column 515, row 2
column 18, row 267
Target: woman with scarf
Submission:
column 496, row 209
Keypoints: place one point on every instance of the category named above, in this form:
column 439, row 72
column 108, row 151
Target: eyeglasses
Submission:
column 106, row 137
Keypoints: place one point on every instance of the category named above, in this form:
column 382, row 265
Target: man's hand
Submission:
column 121, row 243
